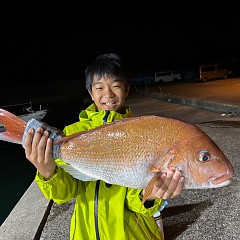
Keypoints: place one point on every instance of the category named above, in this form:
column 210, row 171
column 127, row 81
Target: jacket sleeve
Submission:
column 134, row 203
column 61, row 188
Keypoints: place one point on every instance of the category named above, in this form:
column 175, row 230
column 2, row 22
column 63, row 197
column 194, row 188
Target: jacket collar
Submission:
column 91, row 113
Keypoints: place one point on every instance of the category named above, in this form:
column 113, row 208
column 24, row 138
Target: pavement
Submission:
column 196, row 214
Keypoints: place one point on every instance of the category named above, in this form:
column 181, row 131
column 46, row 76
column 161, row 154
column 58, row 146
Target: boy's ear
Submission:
column 91, row 95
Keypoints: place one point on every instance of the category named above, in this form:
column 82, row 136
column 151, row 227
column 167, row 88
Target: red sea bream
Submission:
column 133, row 151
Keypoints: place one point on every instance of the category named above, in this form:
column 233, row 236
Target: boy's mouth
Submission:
column 110, row 103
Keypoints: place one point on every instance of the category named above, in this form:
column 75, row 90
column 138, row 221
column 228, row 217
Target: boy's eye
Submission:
column 116, row 86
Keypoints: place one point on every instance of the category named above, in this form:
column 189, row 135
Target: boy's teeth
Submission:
column 109, row 103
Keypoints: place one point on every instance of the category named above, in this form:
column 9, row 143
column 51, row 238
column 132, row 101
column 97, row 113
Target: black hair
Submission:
column 106, row 65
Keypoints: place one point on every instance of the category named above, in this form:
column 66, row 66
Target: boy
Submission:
column 102, row 211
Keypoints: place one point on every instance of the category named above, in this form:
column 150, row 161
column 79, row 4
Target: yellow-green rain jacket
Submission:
column 102, row 211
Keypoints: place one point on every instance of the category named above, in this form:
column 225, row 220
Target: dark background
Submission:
column 55, row 43
column 44, row 50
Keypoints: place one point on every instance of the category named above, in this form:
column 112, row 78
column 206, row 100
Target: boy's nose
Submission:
column 108, row 92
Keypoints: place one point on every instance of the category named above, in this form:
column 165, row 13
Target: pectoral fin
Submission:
column 149, row 189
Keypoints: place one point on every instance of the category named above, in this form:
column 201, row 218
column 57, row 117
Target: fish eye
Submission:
column 204, row 156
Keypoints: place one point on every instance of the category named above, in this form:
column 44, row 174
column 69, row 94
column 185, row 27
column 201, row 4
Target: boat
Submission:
column 25, row 111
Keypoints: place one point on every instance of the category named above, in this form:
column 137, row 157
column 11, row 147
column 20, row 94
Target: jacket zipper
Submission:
column 97, row 190
column 96, row 209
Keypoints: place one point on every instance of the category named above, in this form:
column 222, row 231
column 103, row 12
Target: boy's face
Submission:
column 108, row 93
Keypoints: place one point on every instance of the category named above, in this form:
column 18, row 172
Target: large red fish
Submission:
column 133, row 151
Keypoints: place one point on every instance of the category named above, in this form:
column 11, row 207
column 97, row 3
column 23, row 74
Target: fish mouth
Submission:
column 222, row 184
column 222, row 179
column 216, row 182
column 208, row 185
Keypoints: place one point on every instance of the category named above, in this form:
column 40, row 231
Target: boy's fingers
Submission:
column 28, row 142
column 37, row 137
column 174, row 181
column 178, row 188
column 42, row 143
column 49, row 148
column 169, row 185
column 175, row 186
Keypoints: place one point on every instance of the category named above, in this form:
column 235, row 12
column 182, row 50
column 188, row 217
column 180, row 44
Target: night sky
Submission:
column 162, row 37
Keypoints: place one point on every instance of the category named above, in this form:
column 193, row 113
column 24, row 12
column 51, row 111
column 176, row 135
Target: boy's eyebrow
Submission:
column 100, row 82
column 117, row 80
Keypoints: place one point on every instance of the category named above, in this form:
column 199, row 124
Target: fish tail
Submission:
column 14, row 126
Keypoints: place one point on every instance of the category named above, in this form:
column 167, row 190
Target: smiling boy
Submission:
column 102, row 211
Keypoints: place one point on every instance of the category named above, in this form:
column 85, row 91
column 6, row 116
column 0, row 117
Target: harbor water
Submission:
column 16, row 172
column 16, row 175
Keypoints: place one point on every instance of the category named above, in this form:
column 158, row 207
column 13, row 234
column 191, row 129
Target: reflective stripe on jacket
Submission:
column 102, row 211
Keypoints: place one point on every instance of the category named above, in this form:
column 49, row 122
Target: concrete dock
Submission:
column 196, row 214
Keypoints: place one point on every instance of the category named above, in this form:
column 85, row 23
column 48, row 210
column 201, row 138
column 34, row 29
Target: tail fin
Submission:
column 14, row 126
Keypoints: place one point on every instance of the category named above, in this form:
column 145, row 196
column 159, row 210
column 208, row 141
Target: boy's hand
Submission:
column 38, row 150
column 168, row 185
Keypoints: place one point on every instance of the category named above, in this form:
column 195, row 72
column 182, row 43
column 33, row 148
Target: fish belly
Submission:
column 115, row 170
